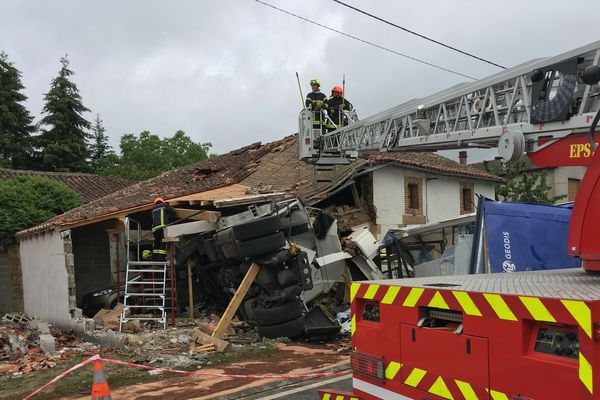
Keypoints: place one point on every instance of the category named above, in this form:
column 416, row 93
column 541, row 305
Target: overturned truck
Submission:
column 302, row 265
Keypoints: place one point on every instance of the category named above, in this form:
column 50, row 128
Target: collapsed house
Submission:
column 83, row 251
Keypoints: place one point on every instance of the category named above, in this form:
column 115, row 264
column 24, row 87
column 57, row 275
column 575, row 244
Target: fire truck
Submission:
column 508, row 336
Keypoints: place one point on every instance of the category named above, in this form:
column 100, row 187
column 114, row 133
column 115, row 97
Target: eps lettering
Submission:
column 580, row 150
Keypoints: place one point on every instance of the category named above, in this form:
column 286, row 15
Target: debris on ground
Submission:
column 28, row 345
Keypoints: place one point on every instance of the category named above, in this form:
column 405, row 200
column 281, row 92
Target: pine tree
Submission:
column 63, row 143
column 15, row 120
column 99, row 148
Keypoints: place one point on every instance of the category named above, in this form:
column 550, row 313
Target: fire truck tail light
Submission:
column 368, row 366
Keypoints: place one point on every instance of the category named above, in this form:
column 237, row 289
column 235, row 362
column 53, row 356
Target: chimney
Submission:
column 462, row 157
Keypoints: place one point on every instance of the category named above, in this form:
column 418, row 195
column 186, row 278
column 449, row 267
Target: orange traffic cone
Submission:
column 100, row 390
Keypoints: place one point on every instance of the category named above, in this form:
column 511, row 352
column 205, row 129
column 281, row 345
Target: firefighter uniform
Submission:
column 162, row 214
column 316, row 102
column 338, row 119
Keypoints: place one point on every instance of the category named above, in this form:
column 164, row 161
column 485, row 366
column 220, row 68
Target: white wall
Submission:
column 441, row 195
column 485, row 188
column 559, row 179
column 388, row 197
column 45, row 280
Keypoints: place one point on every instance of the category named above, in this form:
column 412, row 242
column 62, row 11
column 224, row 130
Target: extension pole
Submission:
column 300, row 89
column 343, row 98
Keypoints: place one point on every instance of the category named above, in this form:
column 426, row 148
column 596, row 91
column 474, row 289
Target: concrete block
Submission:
column 41, row 326
column 47, row 344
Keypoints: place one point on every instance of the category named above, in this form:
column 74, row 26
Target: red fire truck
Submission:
column 528, row 335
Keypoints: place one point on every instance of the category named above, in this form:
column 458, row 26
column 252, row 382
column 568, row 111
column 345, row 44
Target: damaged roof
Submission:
column 256, row 169
column 430, row 162
column 88, row 186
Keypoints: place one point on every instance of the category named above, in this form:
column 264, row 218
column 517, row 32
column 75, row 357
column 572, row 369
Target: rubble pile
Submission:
column 33, row 345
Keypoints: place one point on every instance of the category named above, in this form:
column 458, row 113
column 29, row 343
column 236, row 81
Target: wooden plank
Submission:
column 236, row 300
column 250, row 199
column 189, row 228
column 196, row 215
column 201, row 337
column 190, row 292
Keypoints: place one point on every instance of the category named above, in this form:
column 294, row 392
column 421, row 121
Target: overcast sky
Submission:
column 224, row 70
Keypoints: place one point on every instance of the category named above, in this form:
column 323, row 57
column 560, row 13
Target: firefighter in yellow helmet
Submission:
column 316, row 102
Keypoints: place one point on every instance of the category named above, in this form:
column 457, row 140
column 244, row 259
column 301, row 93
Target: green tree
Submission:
column 519, row 185
column 63, row 143
column 28, row 201
column 99, row 147
column 15, row 120
column 145, row 156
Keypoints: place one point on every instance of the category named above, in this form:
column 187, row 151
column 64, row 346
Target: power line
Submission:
column 365, row 41
column 418, row 34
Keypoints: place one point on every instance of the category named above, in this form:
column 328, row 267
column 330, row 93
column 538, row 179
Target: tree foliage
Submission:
column 28, row 201
column 15, row 120
column 63, row 143
column 523, row 186
column 147, row 155
column 99, row 147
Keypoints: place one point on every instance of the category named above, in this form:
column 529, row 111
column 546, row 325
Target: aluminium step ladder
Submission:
column 145, row 282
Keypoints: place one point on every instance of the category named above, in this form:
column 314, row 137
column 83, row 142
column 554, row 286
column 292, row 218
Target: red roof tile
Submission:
column 431, row 162
column 273, row 165
column 89, row 187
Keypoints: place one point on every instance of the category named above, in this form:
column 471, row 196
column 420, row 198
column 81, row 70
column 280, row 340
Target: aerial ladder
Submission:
column 524, row 109
column 543, row 108
column 521, row 336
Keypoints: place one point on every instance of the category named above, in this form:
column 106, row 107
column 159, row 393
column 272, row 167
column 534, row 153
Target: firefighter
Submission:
column 162, row 214
column 316, row 102
column 336, row 104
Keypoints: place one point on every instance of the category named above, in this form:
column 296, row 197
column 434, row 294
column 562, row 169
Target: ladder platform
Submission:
column 157, row 295
column 145, row 282
column 156, row 263
column 142, row 306
column 141, row 319
column 147, row 270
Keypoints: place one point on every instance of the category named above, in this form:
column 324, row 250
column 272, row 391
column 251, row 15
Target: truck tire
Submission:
column 291, row 329
column 277, row 314
column 256, row 228
column 262, row 245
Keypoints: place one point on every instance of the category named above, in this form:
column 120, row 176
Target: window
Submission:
column 467, row 198
column 573, row 187
column 413, row 194
column 557, row 342
column 371, row 312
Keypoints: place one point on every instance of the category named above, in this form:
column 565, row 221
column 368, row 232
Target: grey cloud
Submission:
column 224, row 71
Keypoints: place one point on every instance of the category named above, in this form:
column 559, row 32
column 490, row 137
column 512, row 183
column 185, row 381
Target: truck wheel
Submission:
column 262, row 245
column 256, row 228
column 277, row 314
column 291, row 329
